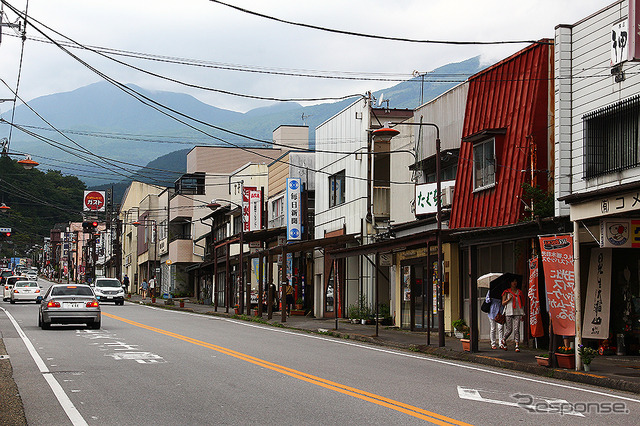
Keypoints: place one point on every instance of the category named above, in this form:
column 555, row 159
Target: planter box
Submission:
column 566, row 361
column 466, row 345
column 297, row 312
column 542, row 361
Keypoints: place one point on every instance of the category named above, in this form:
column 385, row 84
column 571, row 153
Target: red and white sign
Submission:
column 250, row 198
column 93, row 201
column 535, row 317
column 559, row 278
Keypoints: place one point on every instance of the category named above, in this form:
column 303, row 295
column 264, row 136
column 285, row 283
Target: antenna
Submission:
column 381, row 99
column 304, row 117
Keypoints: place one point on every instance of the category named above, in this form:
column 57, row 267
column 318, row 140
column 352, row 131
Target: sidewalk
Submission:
column 613, row 372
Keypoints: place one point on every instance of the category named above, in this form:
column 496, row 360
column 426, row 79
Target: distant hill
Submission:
column 107, row 122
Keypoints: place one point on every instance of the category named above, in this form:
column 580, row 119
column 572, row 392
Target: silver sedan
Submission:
column 69, row 304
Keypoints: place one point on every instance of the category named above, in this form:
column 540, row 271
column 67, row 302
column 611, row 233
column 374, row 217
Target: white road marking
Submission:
column 70, row 410
column 512, row 375
column 474, row 395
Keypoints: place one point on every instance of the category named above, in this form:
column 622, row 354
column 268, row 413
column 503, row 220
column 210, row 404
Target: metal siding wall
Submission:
column 507, row 95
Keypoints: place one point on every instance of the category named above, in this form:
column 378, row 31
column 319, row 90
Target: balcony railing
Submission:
column 277, row 222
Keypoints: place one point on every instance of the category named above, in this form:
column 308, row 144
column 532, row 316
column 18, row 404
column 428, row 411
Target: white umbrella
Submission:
column 484, row 280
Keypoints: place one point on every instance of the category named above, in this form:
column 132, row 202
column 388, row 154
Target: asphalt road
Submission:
column 153, row 366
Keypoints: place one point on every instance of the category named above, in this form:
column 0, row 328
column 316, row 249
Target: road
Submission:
column 153, row 366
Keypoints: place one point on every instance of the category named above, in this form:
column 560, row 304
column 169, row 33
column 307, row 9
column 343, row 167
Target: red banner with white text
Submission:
column 559, row 278
column 535, row 317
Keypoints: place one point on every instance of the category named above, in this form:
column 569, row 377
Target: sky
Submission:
column 205, row 31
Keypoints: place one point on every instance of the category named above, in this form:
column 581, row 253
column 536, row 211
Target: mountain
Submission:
column 106, row 122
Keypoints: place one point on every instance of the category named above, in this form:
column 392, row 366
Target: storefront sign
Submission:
column 619, row 233
column 246, row 208
column 559, row 277
column 294, row 216
column 619, row 43
column 255, row 210
column 426, row 197
column 535, row 317
column 596, row 308
column 618, row 204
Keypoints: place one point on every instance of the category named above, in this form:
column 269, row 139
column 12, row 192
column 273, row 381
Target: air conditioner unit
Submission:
column 447, row 195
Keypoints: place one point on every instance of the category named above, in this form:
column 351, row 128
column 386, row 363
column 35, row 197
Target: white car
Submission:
column 32, row 275
column 8, row 286
column 109, row 290
column 26, row 291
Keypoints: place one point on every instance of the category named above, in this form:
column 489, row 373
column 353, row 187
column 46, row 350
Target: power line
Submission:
column 373, row 36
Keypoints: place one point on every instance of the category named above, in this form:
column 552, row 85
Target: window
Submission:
column 336, row 189
column 277, row 208
column 484, row 164
column 191, row 183
column 611, row 138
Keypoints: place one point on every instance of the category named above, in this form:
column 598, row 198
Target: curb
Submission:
column 447, row 353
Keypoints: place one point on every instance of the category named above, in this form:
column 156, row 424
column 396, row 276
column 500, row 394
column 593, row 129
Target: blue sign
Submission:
column 294, row 207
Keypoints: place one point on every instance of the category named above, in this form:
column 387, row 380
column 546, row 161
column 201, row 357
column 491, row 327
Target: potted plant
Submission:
column 466, row 342
column 459, row 326
column 236, row 309
column 543, row 360
column 566, row 357
column 587, row 354
column 353, row 312
column 299, row 304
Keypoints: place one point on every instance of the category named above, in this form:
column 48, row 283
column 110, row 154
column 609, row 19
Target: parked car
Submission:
column 69, row 304
column 8, row 286
column 109, row 290
column 28, row 291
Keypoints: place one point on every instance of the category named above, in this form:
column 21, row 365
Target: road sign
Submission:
column 94, row 201
column 5, row 230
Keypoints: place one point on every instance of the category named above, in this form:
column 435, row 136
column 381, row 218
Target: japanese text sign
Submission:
column 93, row 201
column 294, row 214
column 559, row 277
column 426, row 197
column 597, row 301
column 535, row 318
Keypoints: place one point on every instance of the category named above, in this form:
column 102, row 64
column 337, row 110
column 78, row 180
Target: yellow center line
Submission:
column 318, row 381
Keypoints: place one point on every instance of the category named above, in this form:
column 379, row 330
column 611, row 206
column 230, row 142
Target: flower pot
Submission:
column 236, row 310
column 566, row 361
column 587, row 367
column 363, row 321
column 299, row 306
column 182, row 303
column 466, row 345
column 542, row 361
column 153, row 300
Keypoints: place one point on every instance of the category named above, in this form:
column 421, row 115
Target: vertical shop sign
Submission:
column 596, row 308
column 559, row 277
column 246, row 207
column 535, row 317
column 255, row 210
column 294, row 216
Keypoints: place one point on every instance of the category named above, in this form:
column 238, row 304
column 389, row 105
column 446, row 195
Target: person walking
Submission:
column 497, row 330
column 152, row 286
column 125, row 283
column 145, row 289
column 513, row 302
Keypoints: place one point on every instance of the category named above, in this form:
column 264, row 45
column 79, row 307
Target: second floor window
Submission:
column 484, row 164
column 612, row 138
column 336, row 189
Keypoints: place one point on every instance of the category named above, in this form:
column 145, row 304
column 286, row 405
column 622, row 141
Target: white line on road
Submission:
column 68, row 407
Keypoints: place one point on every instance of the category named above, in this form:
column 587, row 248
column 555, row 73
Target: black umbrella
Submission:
column 503, row 282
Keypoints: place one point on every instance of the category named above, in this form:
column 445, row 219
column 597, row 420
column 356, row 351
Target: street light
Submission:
column 384, row 135
column 214, row 205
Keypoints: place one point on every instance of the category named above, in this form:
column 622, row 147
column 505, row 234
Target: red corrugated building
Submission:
column 508, row 122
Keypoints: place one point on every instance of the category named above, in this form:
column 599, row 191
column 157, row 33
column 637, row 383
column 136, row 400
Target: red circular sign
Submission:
column 94, row 200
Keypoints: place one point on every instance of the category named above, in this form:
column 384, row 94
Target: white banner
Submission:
column 294, row 214
column 426, row 196
column 255, row 210
column 596, row 308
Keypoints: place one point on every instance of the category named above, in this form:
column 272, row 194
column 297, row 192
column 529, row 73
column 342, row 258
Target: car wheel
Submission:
column 39, row 321
column 4, row 299
column 95, row 325
column 12, row 301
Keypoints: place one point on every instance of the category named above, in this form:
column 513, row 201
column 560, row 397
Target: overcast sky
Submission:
column 203, row 30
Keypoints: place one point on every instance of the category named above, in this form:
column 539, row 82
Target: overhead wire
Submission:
column 24, row 38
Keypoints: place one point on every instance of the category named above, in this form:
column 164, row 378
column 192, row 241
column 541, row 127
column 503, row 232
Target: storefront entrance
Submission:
column 418, row 296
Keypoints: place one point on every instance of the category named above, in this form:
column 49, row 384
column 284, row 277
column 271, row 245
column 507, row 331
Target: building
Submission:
column 597, row 151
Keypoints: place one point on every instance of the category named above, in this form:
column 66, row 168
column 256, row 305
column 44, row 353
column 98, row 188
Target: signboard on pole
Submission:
column 596, row 308
column 294, row 214
column 255, row 210
column 246, row 207
column 619, row 233
column 93, row 201
column 559, row 277
column 535, row 317
column 426, row 196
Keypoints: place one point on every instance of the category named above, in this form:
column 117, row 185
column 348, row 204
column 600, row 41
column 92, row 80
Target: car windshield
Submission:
column 108, row 283
column 71, row 290
column 7, row 273
column 26, row 284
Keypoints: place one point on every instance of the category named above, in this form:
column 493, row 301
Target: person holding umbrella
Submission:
column 513, row 302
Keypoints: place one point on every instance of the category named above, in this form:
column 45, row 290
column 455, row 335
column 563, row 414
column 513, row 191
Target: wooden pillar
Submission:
column 226, row 283
column 283, row 295
column 215, row 278
column 260, row 280
column 270, row 294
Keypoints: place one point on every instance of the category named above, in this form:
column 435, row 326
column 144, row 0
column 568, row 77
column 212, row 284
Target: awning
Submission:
column 394, row 244
column 308, row 245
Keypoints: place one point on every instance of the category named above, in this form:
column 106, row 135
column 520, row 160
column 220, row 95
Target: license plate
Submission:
column 71, row 305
